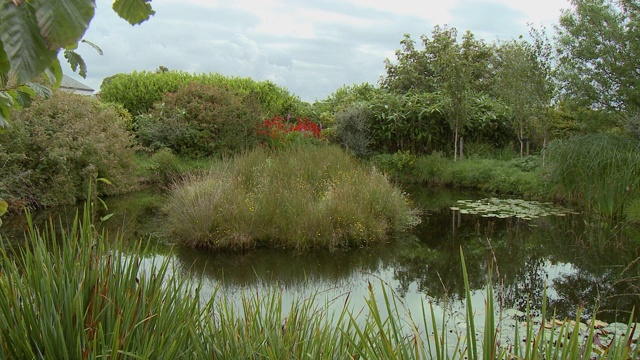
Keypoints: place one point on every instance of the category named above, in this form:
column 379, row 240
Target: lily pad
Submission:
column 505, row 208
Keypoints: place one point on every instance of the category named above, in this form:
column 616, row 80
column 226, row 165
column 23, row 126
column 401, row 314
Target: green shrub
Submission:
column 201, row 120
column 399, row 165
column 299, row 197
column 56, row 147
column 165, row 167
column 139, row 91
column 352, row 129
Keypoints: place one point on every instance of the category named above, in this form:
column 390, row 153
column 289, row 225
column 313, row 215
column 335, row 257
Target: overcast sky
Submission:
column 310, row 47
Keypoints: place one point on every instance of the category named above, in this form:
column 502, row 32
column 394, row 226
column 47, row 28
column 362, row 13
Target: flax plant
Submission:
column 70, row 294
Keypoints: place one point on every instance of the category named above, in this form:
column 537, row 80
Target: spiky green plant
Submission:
column 597, row 170
column 70, row 294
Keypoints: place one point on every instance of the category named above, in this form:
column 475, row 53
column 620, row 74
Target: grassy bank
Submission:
column 511, row 175
column 298, row 197
column 78, row 296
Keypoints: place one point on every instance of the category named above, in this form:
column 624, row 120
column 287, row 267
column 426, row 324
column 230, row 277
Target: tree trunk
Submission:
column 461, row 147
column 455, row 145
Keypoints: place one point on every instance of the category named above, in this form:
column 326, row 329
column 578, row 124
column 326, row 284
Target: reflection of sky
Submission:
column 557, row 271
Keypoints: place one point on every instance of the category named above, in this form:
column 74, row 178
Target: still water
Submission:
column 576, row 261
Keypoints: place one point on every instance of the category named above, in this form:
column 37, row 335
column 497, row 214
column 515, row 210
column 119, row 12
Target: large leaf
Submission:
column 96, row 47
column 76, row 62
column 39, row 90
column 54, row 73
column 6, row 104
column 63, row 22
column 24, row 46
column 134, row 11
column 24, row 96
column 4, row 62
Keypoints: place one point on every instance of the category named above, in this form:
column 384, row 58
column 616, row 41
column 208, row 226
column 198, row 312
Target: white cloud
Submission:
column 310, row 47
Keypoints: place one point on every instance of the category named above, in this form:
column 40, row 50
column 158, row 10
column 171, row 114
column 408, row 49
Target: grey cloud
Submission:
column 348, row 49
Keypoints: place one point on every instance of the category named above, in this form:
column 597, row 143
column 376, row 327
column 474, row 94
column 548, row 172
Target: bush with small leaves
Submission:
column 57, row 146
column 201, row 120
column 352, row 129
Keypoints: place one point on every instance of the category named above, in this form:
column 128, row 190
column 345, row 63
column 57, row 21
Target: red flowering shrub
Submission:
column 277, row 132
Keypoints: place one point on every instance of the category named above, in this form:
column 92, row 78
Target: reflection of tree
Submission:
column 524, row 252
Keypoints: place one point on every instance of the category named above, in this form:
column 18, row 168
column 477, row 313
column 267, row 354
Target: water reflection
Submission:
column 576, row 261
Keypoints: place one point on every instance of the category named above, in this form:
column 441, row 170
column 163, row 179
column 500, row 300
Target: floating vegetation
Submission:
column 506, row 208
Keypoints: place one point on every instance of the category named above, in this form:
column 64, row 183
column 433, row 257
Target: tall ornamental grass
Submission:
column 299, row 197
column 599, row 171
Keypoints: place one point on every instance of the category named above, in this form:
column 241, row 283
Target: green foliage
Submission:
column 598, row 171
column 72, row 294
column 56, row 147
column 32, row 33
column 139, row 91
column 413, row 122
column 399, row 165
column 523, row 83
column 352, row 129
column 567, row 121
column 165, row 167
column 345, row 97
column 300, row 197
column 598, row 45
column 632, row 210
column 201, row 120
column 482, row 92
column 518, row 176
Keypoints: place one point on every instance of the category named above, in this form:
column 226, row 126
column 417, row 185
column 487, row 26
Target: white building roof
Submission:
column 71, row 84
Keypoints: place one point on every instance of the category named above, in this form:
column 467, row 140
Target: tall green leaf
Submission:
column 63, row 22
column 76, row 62
column 54, row 73
column 4, row 62
column 96, row 47
column 6, row 103
column 25, row 47
column 38, row 89
column 134, row 11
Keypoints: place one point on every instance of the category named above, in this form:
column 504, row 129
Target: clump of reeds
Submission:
column 70, row 294
column 597, row 170
column 298, row 197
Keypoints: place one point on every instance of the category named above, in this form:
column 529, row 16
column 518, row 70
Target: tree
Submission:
column 33, row 32
column 458, row 72
column 523, row 83
column 599, row 54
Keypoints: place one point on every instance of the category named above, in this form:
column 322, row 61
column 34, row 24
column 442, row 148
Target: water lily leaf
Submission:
column 505, row 208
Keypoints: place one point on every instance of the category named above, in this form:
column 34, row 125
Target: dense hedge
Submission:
column 201, row 120
column 56, row 146
column 138, row 91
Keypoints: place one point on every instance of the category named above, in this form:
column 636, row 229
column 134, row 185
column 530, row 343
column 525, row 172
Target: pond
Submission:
column 577, row 262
